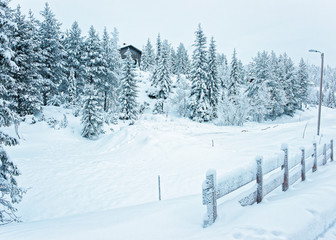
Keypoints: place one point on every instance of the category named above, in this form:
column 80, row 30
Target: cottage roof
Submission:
column 131, row 46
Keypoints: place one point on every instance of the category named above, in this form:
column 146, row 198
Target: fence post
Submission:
column 324, row 154
column 331, row 150
column 259, row 179
column 209, row 197
column 284, row 148
column 315, row 158
column 303, row 164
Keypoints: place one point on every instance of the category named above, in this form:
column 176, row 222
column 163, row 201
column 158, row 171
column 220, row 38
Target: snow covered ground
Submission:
column 103, row 189
column 107, row 188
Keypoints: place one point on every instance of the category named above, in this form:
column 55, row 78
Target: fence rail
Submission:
column 268, row 177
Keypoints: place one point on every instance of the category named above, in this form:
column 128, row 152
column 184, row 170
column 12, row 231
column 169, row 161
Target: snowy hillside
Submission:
column 78, row 182
column 102, row 140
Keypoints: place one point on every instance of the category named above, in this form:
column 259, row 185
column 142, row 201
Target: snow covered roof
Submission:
column 131, row 46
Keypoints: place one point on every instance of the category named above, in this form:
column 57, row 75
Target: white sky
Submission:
column 294, row 26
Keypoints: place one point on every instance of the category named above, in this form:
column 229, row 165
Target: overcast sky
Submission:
column 292, row 26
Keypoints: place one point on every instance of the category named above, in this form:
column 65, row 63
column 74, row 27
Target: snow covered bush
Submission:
column 181, row 98
column 56, row 100
column 233, row 113
column 158, row 107
column 143, row 107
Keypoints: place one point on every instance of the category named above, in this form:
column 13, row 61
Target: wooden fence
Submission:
column 276, row 173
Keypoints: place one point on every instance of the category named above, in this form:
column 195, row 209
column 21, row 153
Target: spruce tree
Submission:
column 158, row 48
column 128, row 92
column 277, row 93
column 290, row 83
column 223, row 71
column 107, row 61
column 302, row 78
column 27, row 98
column 258, row 90
column 173, row 61
column 10, row 193
column 116, row 64
column 74, row 46
column 91, row 119
column 7, row 65
column 234, row 81
column 331, row 101
column 148, row 58
column 201, row 110
column 182, row 60
column 161, row 78
column 94, row 66
column 213, row 81
column 52, row 65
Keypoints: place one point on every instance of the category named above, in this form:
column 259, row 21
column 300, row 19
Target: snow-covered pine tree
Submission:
column 27, row 98
column 7, row 65
column 258, row 90
column 107, row 62
column 94, row 67
column 92, row 119
column 331, row 101
column 275, row 83
column 74, row 46
column 201, row 110
column 223, row 71
column 173, row 61
column 161, row 81
column 182, row 60
column 302, row 78
column 52, row 65
column 116, row 64
column 234, row 81
column 128, row 91
column 241, row 73
column 148, row 58
column 290, row 84
column 213, row 80
column 158, row 48
column 10, row 193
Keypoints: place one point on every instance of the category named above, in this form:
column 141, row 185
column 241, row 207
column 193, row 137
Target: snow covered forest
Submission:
column 41, row 65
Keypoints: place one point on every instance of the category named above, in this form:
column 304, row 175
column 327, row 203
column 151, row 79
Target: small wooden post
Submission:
column 159, row 184
column 315, row 158
column 303, row 164
column 259, row 179
column 331, row 150
column 213, row 143
column 210, row 198
column 284, row 148
column 324, row 154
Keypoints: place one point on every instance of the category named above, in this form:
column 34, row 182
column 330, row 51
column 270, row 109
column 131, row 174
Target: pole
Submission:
column 159, row 183
column 320, row 100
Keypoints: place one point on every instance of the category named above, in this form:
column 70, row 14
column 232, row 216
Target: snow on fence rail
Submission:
column 276, row 172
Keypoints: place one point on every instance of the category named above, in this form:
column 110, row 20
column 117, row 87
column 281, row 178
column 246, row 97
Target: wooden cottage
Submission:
column 136, row 53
